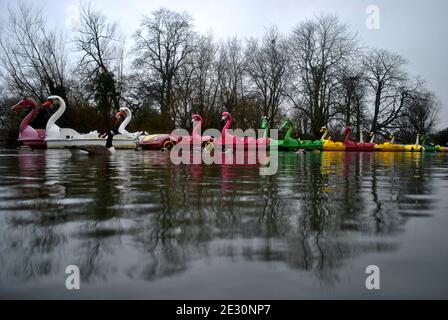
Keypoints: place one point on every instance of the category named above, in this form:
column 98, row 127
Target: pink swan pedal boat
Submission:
column 356, row 146
column 167, row 141
column 236, row 142
column 28, row 136
column 196, row 138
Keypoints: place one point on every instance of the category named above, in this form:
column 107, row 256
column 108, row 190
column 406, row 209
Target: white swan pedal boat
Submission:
column 58, row 138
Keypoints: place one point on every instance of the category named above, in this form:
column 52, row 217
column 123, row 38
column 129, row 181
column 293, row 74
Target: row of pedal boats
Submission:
column 54, row 136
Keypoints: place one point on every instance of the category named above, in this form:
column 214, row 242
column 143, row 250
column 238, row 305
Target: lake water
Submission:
column 139, row 227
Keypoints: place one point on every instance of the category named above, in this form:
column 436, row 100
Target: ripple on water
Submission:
column 138, row 218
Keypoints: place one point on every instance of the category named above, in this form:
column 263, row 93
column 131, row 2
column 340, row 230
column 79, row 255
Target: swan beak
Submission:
column 47, row 103
column 119, row 114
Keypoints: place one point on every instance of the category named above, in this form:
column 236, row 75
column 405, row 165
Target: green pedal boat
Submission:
column 288, row 143
column 429, row 147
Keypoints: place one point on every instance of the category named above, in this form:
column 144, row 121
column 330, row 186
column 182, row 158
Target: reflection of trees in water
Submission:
column 393, row 188
column 314, row 231
column 28, row 234
column 308, row 215
column 368, row 202
column 328, row 202
column 74, row 197
column 99, row 226
column 371, row 188
column 26, row 250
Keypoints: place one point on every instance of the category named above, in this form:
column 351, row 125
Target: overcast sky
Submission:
column 415, row 29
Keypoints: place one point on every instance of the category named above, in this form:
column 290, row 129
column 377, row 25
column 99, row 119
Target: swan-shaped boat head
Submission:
column 24, row 103
column 264, row 123
column 35, row 138
column 286, row 124
column 126, row 113
column 225, row 116
column 196, row 117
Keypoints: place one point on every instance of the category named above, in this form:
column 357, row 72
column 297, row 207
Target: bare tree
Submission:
column 182, row 100
column 317, row 70
column 318, row 48
column 101, row 62
column 230, row 69
column 350, row 104
column 33, row 58
column 386, row 80
column 206, row 84
column 267, row 65
column 163, row 43
column 197, row 84
column 419, row 114
column 9, row 121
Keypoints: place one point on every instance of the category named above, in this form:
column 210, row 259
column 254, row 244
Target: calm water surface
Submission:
column 139, row 227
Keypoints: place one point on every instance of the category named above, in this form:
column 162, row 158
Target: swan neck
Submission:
column 347, row 133
column 196, row 128
column 52, row 121
column 29, row 117
column 324, row 135
column 122, row 128
column 266, row 131
column 227, row 125
column 288, row 133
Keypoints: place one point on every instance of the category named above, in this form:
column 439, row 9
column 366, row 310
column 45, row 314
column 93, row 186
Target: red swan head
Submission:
column 225, row 115
column 196, row 117
column 49, row 102
column 25, row 103
column 120, row 114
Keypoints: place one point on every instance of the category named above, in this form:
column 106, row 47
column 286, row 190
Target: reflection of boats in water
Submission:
column 138, row 216
column 31, row 174
column 212, row 155
column 352, row 163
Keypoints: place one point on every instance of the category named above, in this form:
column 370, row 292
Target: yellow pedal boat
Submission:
column 414, row 147
column 390, row 146
column 330, row 145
